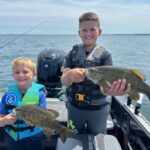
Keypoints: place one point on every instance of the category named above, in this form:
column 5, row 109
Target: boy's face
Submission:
column 89, row 32
column 22, row 75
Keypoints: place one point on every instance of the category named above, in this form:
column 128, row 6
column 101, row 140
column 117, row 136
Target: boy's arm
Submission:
column 66, row 78
column 5, row 119
column 72, row 75
column 42, row 99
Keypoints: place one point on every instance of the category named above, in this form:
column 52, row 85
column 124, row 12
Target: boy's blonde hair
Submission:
column 24, row 61
column 89, row 16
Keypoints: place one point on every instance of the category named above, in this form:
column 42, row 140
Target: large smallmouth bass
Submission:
column 44, row 119
column 105, row 75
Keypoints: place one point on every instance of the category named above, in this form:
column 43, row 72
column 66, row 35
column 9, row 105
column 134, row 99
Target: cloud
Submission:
column 63, row 14
column 104, row 2
column 85, row 3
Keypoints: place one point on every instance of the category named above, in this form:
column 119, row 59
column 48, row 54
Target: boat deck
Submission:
column 60, row 106
column 123, row 124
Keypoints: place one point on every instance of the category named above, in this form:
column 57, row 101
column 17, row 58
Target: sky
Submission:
column 61, row 16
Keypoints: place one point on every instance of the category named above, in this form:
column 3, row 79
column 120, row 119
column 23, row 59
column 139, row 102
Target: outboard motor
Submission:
column 49, row 70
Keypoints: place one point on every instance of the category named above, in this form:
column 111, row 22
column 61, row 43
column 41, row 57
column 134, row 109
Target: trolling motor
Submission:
column 49, row 65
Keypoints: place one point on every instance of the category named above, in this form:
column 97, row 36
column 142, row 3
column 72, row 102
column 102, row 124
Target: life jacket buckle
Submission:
column 80, row 97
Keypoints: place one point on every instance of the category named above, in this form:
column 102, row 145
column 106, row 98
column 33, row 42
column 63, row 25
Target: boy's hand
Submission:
column 9, row 119
column 117, row 88
column 78, row 75
column 73, row 75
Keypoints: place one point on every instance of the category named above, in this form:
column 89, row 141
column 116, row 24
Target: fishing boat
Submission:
column 127, row 128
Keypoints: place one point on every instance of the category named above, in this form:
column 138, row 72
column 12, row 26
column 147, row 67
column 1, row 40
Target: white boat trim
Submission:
column 139, row 118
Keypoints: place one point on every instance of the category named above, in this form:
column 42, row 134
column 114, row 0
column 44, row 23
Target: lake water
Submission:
column 127, row 51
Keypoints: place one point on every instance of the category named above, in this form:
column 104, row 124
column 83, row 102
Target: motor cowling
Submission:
column 49, row 66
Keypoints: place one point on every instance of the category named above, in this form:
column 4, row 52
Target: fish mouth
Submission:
column 14, row 111
column 87, row 73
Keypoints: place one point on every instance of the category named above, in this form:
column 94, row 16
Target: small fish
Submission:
column 44, row 118
column 105, row 75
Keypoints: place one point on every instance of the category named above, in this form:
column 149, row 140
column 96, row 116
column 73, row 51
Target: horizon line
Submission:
column 74, row 34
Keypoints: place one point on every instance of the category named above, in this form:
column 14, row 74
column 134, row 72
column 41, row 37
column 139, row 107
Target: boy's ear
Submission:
column 100, row 31
column 79, row 32
column 35, row 74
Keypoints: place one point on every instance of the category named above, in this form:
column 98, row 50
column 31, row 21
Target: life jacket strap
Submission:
column 86, row 106
column 17, row 129
column 8, row 107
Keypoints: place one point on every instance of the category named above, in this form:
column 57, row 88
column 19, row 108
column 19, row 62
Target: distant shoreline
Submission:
column 115, row 34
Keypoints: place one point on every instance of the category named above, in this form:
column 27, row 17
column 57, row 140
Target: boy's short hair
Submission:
column 89, row 16
column 24, row 61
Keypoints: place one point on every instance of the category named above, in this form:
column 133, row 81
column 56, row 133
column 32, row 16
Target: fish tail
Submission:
column 148, row 94
column 147, row 91
column 64, row 133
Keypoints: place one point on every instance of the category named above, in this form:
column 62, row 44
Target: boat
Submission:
column 127, row 128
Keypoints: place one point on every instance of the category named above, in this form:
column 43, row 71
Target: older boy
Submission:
column 87, row 104
column 21, row 135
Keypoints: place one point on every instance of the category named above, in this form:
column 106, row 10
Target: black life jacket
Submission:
column 86, row 90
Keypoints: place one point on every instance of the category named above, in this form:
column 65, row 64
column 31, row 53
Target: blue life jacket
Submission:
column 20, row 129
column 82, row 94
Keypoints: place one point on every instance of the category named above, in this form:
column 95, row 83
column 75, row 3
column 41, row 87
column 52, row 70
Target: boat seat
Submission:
column 107, row 142
column 88, row 142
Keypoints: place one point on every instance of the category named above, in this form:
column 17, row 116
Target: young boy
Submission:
column 22, row 135
column 87, row 102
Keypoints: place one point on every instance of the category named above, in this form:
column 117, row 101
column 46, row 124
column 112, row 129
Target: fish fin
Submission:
column 64, row 133
column 47, row 132
column 94, row 80
column 134, row 95
column 63, row 138
column 52, row 112
column 139, row 74
column 148, row 96
column 105, row 84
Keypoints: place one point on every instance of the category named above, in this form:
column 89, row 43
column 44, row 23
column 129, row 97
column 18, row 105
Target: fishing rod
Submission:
column 29, row 30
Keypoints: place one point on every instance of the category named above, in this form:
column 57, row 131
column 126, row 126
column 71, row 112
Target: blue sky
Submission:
column 61, row 16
